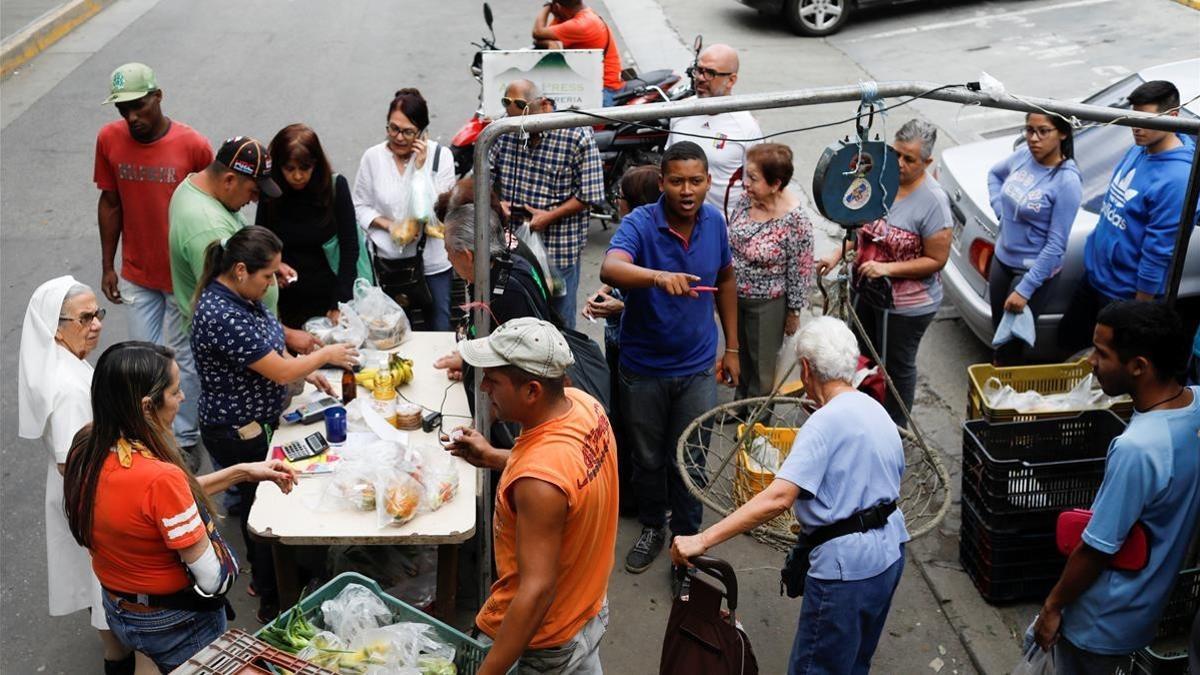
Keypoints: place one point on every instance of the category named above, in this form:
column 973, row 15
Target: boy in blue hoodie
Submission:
column 1126, row 257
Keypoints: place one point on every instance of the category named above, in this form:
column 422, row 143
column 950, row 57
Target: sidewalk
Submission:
column 16, row 14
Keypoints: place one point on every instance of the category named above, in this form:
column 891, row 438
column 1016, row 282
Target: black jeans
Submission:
column 897, row 341
column 612, row 354
column 1002, row 281
column 227, row 451
column 1079, row 321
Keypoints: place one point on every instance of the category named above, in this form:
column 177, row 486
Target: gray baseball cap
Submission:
column 533, row 345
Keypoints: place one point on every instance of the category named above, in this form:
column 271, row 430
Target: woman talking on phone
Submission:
column 244, row 370
column 409, row 264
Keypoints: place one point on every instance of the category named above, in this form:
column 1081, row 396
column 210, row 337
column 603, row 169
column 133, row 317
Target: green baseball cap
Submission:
column 131, row 82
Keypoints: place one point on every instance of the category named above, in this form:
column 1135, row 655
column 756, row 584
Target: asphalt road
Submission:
column 232, row 68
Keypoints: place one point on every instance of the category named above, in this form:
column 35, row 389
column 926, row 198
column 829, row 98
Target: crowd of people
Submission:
column 709, row 271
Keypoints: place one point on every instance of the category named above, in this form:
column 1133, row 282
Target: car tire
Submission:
column 817, row 18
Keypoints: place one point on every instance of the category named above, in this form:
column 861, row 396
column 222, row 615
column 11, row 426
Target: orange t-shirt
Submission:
column 577, row 454
column 143, row 516
column 145, row 176
column 586, row 30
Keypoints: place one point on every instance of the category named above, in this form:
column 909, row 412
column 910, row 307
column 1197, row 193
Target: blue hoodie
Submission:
column 1130, row 249
column 1036, row 206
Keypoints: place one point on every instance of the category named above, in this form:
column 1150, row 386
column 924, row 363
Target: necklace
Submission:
column 1166, row 400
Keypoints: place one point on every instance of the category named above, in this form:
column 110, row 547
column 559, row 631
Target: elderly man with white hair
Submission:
column 841, row 478
column 723, row 135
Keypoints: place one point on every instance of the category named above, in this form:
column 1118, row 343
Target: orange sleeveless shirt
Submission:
column 576, row 453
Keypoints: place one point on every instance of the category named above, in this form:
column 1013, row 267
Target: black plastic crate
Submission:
column 1026, row 547
column 1000, row 584
column 1024, row 473
column 1007, row 566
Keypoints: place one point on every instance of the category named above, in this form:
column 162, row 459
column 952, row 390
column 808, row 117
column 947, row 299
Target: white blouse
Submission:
column 379, row 190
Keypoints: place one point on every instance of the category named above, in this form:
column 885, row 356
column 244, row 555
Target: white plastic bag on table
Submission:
column 349, row 328
column 399, row 497
column 1035, row 662
column 351, row 488
column 355, row 609
column 533, row 240
column 437, row 474
column 785, row 359
column 385, row 320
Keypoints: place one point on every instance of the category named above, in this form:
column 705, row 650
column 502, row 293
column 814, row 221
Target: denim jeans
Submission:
column 896, row 340
column 1071, row 660
column 578, row 656
column 227, row 451
column 439, row 288
column 656, row 410
column 841, row 621
column 567, row 305
column 154, row 317
column 168, row 636
column 608, row 96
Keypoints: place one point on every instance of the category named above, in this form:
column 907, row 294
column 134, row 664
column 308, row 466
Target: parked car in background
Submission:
column 963, row 171
column 815, row 18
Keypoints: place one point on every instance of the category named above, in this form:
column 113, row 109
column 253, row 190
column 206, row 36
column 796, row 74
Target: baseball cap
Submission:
column 130, row 82
column 533, row 345
column 248, row 157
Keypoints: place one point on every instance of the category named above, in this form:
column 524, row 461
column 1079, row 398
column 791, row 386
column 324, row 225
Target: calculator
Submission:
column 312, row 445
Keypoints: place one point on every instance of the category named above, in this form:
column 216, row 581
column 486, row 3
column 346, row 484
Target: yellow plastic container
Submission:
column 748, row 481
column 1053, row 378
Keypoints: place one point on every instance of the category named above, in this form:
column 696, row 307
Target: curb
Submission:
column 51, row 27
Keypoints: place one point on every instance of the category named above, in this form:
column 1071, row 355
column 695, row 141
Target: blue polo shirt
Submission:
column 228, row 334
column 662, row 335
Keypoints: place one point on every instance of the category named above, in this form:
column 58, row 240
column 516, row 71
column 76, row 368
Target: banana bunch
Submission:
column 401, row 368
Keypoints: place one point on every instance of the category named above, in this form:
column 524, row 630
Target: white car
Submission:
column 963, row 172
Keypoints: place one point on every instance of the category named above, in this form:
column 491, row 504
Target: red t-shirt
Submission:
column 145, row 176
column 586, row 30
column 144, row 515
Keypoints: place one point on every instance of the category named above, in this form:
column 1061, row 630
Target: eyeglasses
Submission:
column 86, row 318
column 518, row 103
column 394, row 130
column 1039, row 132
column 702, row 73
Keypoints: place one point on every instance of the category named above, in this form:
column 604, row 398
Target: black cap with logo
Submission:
column 248, row 157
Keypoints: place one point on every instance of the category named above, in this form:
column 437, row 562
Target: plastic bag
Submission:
column 398, row 497
column 352, row 487
column 385, row 321
column 786, row 360
column 438, row 475
column 402, row 646
column 349, row 328
column 764, row 456
column 1035, row 662
column 533, row 240
column 325, row 649
column 354, row 610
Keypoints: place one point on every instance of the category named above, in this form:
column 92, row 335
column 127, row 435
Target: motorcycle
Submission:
column 621, row 145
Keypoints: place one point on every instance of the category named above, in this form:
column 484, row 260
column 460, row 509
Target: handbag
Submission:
column 333, row 250
column 1133, row 556
column 875, row 292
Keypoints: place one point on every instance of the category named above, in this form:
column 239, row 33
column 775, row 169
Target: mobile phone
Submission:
column 599, row 298
column 519, row 213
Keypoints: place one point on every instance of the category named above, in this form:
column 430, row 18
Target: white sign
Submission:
column 573, row 78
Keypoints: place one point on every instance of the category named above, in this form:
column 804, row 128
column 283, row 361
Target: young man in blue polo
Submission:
column 667, row 257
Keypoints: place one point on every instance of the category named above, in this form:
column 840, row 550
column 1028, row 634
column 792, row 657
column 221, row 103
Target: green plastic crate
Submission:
column 468, row 652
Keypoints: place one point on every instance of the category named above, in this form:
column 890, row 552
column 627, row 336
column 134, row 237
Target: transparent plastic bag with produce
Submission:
column 349, row 328
column 399, row 497
column 385, row 321
column 406, row 645
column 438, row 475
column 352, row 487
column 354, row 610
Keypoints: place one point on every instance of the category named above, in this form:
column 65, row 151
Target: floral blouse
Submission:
column 772, row 258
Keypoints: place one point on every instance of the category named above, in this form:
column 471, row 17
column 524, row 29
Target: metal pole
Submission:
column 483, row 421
column 1186, row 222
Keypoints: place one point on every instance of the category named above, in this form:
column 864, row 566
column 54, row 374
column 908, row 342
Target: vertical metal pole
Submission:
column 1186, row 222
column 483, row 291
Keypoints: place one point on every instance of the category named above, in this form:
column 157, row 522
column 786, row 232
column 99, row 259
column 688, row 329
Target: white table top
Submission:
column 290, row 518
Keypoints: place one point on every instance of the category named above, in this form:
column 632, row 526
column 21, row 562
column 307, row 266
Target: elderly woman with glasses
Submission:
column 62, row 326
column 381, row 194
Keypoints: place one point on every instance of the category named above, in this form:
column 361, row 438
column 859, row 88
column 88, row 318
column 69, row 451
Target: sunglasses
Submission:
column 86, row 318
column 518, row 103
column 394, row 130
column 702, row 73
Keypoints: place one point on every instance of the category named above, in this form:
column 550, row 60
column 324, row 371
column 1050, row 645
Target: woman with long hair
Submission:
column 381, row 197
column 244, row 370
column 1035, row 194
column 314, row 217
column 131, row 501
column 62, row 326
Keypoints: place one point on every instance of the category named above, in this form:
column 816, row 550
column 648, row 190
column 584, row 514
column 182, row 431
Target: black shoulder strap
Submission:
column 437, row 156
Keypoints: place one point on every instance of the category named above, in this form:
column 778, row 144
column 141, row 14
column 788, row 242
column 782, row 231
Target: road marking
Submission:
column 1002, row 16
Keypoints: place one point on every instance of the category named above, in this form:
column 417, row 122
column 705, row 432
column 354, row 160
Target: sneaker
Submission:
column 647, row 547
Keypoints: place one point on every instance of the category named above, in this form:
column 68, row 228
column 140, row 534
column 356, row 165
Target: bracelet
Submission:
column 732, row 351
column 654, row 282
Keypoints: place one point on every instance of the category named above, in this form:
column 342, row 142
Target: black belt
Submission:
column 183, row 599
column 868, row 519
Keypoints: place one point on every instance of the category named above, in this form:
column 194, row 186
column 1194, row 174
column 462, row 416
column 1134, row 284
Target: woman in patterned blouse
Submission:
column 772, row 244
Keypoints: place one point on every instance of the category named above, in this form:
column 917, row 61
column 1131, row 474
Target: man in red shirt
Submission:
column 140, row 159
column 570, row 24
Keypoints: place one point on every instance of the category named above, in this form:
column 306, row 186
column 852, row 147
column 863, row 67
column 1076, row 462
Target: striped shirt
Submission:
column 564, row 163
